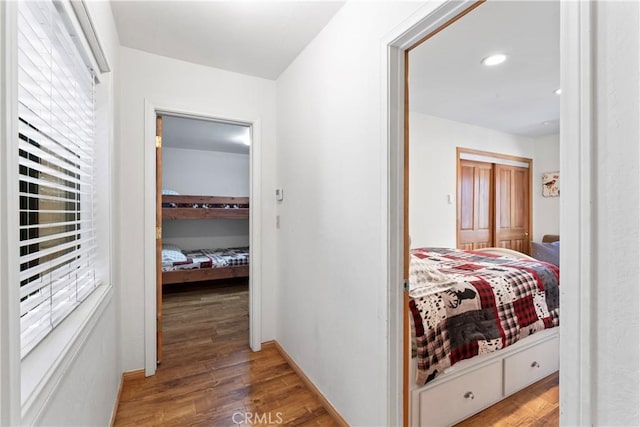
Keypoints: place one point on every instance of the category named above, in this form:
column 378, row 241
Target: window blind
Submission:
column 56, row 145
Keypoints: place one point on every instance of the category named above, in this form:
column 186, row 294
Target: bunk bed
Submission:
column 484, row 325
column 204, row 207
column 181, row 266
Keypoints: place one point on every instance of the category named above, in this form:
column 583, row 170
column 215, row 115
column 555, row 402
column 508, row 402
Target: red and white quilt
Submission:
column 465, row 303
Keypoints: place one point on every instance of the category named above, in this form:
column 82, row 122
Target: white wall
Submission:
column 546, row 210
column 87, row 391
column 213, row 173
column 198, row 89
column 87, row 394
column 616, row 259
column 332, row 247
column 432, row 175
column 200, row 172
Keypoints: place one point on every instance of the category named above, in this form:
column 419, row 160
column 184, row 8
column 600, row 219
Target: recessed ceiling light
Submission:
column 496, row 59
column 558, row 91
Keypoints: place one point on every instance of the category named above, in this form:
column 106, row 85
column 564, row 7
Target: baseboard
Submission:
column 268, row 344
column 131, row 375
column 327, row 405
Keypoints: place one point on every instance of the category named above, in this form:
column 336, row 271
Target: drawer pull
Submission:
column 469, row 395
column 535, row 365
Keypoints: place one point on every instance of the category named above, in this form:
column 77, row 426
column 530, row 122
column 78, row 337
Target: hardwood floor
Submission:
column 536, row 405
column 209, row 375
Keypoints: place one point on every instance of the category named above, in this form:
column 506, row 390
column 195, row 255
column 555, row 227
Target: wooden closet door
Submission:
column 512, row 207
column 475, row 205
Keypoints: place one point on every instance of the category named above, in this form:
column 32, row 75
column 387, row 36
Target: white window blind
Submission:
column 56, row 146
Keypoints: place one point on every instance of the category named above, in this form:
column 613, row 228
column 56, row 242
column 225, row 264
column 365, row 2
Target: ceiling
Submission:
column 447, row 78
column 207, row 135
column 258, row 38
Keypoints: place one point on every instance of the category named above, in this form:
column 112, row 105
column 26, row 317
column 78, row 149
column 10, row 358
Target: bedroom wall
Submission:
column 88, row 389
column 332, row 246
column 207, row 91
column 546, row 210
column 210, row 172
column 432, row 169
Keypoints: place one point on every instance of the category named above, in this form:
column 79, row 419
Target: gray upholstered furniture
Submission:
column 548, row 250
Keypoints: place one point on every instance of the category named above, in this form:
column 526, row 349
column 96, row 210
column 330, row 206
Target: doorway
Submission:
column 202, row 218
column 151, row 268
column 446, row 234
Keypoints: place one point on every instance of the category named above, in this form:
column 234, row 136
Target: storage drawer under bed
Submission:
column 526, row 367
column 461, row 397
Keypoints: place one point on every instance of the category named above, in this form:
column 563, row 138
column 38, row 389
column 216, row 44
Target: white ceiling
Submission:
column 448, row 80
column 259, row 38
column 195, row 134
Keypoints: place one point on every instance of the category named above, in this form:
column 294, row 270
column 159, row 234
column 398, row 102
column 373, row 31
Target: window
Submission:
column 56, row 172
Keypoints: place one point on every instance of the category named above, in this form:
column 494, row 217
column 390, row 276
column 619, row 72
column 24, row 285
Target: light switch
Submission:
column 279, row 194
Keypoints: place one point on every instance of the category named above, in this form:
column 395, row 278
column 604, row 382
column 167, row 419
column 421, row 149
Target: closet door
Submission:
column 512, row 186
column 475, row 205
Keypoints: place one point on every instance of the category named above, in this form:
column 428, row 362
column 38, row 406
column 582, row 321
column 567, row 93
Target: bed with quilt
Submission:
column 484, row 325
column 179, row 266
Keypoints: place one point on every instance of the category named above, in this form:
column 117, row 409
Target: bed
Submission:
column 175, row 206
column 484, row 325
column 181, row 266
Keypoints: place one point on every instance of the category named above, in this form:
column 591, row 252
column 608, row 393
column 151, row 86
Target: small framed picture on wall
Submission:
column 551, row 184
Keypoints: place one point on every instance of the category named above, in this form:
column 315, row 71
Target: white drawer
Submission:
column 461, row 397
column 530, row 365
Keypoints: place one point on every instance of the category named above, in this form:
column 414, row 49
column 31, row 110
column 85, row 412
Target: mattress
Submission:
column 174, row 259
column 466, row 303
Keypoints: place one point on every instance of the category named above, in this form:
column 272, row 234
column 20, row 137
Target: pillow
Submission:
column 171, row 247
column 166, row 192
column 172, row 254
column 547, row 252
column 425, row 273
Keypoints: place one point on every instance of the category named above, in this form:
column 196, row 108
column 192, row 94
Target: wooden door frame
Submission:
column 500, row 156
column 152, row 110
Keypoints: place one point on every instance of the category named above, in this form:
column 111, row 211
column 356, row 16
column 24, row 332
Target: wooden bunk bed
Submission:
column 177, row 207
column 204, row 207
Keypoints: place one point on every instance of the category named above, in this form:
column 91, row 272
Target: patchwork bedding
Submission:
column 466, row 303
column 173, row 260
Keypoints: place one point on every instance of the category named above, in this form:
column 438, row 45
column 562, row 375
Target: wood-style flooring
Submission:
column 537, row 405
column 209, row 375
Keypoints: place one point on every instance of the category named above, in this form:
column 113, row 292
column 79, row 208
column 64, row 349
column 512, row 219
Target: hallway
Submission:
column 209, row 375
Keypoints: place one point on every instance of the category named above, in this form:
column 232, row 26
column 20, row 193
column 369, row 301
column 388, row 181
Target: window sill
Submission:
column 43, row 368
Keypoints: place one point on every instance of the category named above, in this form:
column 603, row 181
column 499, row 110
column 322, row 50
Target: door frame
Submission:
column 151, row 111
column 577, row 138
